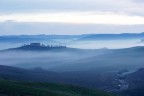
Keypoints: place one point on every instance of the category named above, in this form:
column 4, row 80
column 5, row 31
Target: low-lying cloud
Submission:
column 77, row 18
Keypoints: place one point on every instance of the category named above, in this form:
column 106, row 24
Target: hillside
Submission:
column 112, row 60
column 86, row 79
column 135, row 83
column 15, row 88
column 38, row 47
column 14, row 73
column 136, row 79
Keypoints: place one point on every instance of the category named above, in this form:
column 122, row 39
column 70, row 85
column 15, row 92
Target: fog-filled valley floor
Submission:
column 117, row 69
column 72, row 59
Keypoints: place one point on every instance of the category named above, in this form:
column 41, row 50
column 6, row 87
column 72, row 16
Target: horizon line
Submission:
column 73, row 34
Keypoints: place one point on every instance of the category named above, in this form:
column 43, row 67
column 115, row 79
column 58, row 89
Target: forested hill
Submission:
column 14, row 88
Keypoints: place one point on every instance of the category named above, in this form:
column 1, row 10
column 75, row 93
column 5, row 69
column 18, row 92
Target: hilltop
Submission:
column 36, row 47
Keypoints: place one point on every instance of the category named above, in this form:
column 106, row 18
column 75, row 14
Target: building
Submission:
column 35, row 44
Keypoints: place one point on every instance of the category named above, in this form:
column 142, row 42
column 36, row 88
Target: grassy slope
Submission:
column 14, row 88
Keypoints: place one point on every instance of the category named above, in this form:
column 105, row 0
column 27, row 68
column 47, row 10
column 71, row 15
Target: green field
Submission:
column 15, row 88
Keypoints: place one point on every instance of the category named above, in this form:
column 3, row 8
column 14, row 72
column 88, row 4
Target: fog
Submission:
column 71, row 59
column 110, row 44
column 46, row 60
column 78, row 56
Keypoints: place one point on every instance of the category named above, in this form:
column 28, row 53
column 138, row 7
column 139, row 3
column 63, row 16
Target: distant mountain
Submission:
column 55, row 38
column 112, row 36
column 19, row 39
column 36, row 38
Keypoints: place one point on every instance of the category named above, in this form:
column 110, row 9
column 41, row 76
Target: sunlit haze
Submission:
column 76, row 18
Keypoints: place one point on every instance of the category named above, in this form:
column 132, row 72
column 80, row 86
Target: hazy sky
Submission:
column 71, row 16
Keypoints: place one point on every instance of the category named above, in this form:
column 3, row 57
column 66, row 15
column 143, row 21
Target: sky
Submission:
column 71, row 16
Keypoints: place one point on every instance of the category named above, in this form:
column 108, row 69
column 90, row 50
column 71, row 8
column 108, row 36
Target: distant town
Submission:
column 38, row 45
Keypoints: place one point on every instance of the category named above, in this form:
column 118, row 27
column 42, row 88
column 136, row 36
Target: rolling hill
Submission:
column 15, row 88
column 81, row 78
column 112, row 60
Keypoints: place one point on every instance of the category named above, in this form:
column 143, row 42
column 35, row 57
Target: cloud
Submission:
column 11, row 28
column 139, row 1
column 71, row 16
column 124, row 6
column 77, row 18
